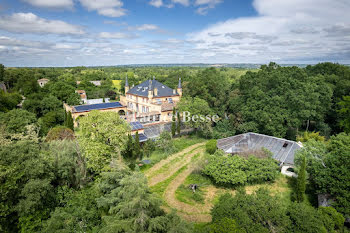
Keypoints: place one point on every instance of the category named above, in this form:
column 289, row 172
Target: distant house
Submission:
column 96, row 83
column 82, row 95
column 283, row 150
column 42, row 82
column 151, row 101
column 3, row 87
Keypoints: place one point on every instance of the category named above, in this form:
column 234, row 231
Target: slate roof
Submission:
column 142, row 89
column 283, row 150
column 90, row 107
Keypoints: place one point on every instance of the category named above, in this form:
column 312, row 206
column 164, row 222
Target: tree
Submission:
column 64, row 92
column 311, row 135
column 131, row 207
column 26, row 194
column 102, row 136
column 195, row 107
column 165, row 143
column 304, row 218
column 59, row 133
column 259, row 212
column 178, row 126
column 225, row 225
column 128, row 153
column 9, row 101
column 276, row 100
column 137, row 146
column 69, row 123
column 173, row 123
column 78, row 212
column 2, row 72
column 16, row 120
column 212, row 87
column 301, row 182
column 328, row 166
column 345, row 113
column 50, row 120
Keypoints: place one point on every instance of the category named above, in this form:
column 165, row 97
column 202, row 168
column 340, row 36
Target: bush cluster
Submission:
column 211, row 146
column 235, row 170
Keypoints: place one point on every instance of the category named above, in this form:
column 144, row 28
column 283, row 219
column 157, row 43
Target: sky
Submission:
column 118, row 32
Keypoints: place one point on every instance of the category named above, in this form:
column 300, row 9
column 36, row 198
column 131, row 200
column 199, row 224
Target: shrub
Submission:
column 211, row 146
column 235, row 170
column 60, row 133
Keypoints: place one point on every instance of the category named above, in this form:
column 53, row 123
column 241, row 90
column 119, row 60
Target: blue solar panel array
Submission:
column 142, row 137
column 136, row 125
column 90, row 107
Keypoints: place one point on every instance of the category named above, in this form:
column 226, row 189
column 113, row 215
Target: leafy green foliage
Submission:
column 301, row 182
column 102, row 136
column 60, row 133
column 165, row 143
column 211, row 146
column 235, row 170
column 16, row 120
column 330, row 162
column 307, row 136
column 212, row 87
column 50, row 120
column 68, row 121
column 64, row 92
column 133, row 208
column 276, row 99
column 173, row 124
column 332, row 220
column 25, row 185
column 178, row 125
column 304, row 218
column 345, row 113
column 195, row 107
column 258, row 212
column 9, row 101
column 77, row 212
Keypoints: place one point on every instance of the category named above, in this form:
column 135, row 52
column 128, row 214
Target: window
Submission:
column 170, row 100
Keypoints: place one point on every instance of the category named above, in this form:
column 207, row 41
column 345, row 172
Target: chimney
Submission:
column 150, row 91
column 179, row 88
column 126, row 84
column 155, row 91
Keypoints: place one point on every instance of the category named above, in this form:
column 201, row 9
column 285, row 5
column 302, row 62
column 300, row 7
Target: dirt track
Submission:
column 166, row 168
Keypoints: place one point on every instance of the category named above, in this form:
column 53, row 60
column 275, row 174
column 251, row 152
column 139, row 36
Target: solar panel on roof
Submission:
column 90, row 107
column 136, row 125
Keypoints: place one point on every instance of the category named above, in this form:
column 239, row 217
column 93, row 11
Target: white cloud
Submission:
column 288, row 30
column 31, row 23
column 116, row 35
column 146, row 27
column 202, row 5
column 110, row 8
column 182, row 2
column 156, row 3
column 57, row 4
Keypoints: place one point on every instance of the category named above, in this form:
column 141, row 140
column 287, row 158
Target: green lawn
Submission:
column 186, row 195
column 179, row 144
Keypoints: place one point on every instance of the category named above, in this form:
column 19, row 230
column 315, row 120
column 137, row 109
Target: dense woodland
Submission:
column 54, row 178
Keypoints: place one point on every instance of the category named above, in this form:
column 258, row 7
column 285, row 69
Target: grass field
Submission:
column 171, row 176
